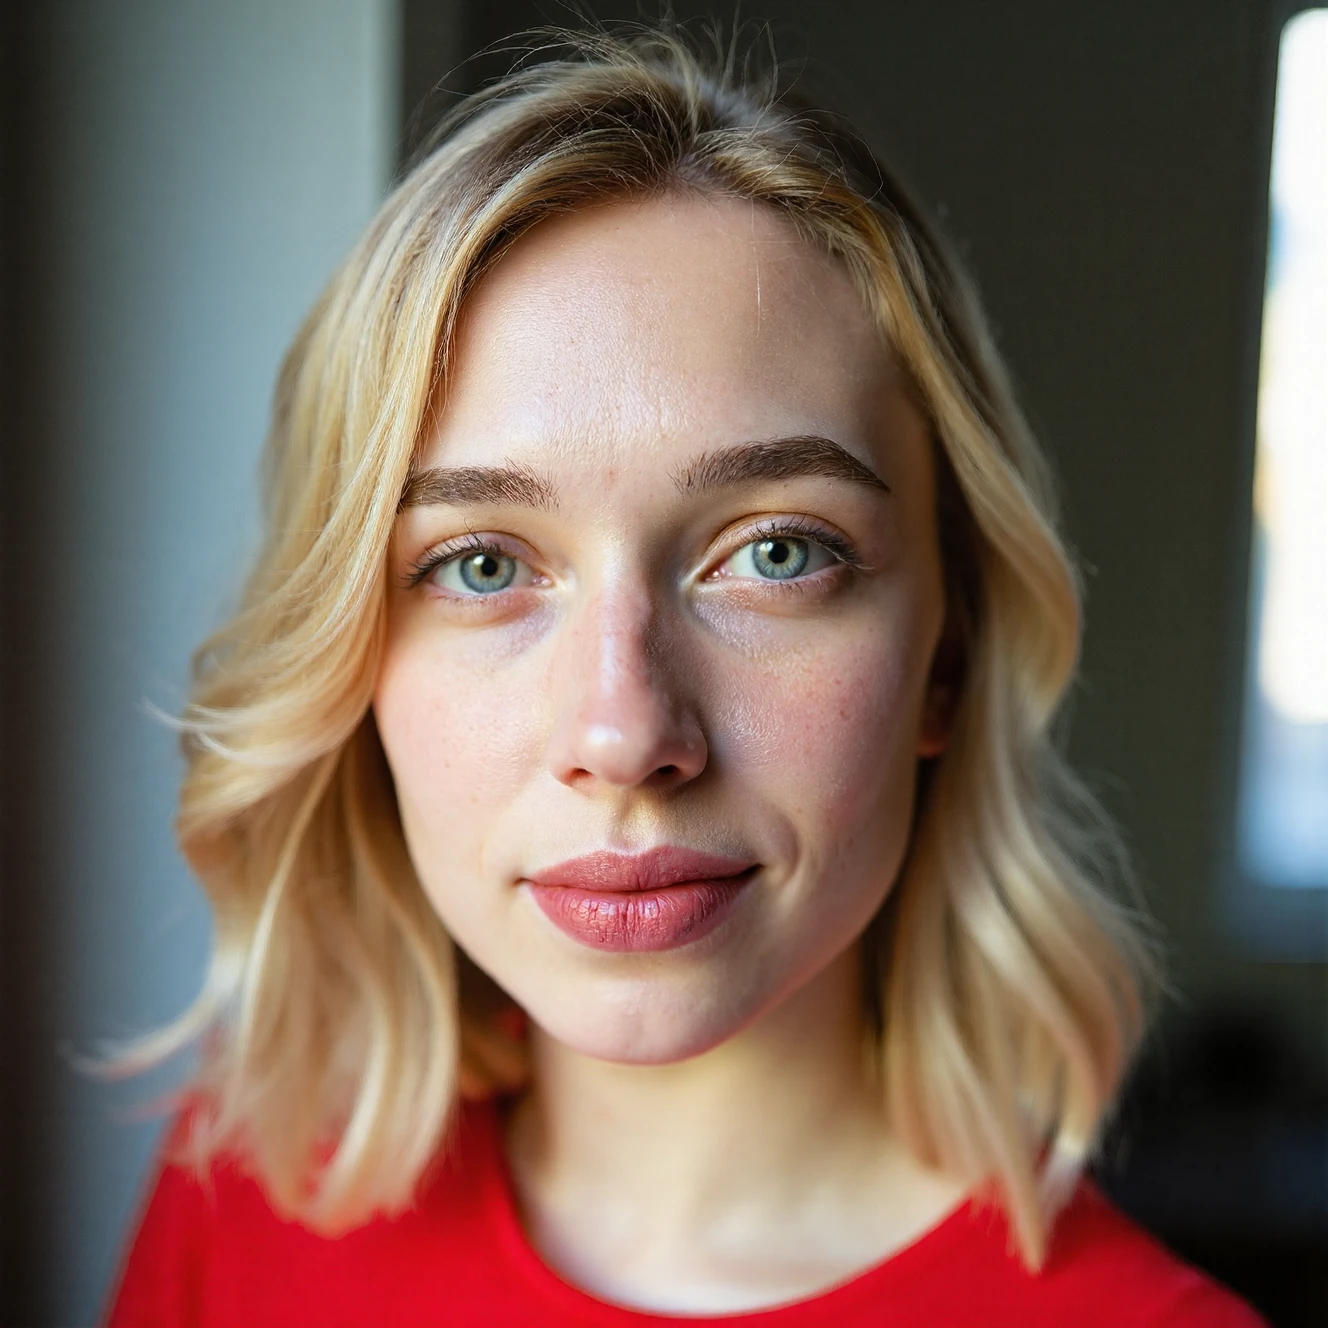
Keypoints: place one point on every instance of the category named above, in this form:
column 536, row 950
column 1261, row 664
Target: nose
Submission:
column 622, row 720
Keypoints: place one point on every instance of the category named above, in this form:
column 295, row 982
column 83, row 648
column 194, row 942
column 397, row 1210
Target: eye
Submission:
column 779, row 558
column 477, row 572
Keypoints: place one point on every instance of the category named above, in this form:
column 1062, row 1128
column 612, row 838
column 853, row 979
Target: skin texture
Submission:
column 640, row 683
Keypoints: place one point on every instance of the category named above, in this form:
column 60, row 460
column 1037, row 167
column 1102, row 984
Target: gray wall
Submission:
column 190, row 173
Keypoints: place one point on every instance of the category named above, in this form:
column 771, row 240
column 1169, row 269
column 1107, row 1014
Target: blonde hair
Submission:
column 334, row 1033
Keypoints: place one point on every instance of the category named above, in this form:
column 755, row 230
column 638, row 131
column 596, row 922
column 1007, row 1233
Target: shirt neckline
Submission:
column 871, row 1285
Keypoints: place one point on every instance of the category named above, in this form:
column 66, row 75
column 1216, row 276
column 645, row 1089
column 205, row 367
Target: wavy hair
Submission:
column 336, row 1025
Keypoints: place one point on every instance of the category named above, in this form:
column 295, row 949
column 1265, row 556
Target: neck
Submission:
column 770, row 1141
column 734, row 1120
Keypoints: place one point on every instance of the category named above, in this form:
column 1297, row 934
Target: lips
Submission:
column 658, row 900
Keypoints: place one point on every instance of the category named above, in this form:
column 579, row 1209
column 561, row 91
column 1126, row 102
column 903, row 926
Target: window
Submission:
column 1282, row 819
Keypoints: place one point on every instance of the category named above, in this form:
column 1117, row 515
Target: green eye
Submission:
column 779, row 558
column 479, row 572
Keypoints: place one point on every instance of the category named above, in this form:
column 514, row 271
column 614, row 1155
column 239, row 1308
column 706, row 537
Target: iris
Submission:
column 779, row 559
column 485, row 573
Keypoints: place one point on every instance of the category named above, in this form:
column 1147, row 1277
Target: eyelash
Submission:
column 802, row 527
column 432, row 560
column 797, row 527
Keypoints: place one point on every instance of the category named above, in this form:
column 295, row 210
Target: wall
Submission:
column 188, row 173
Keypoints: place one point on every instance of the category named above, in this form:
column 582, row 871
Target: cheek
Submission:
column 459, row 739
column 834, row 730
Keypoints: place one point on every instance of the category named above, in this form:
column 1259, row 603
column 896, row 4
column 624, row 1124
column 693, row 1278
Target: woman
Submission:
column 644, row 886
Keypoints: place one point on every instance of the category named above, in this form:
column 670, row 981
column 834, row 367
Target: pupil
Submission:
column 487, row 572
column 780, row 559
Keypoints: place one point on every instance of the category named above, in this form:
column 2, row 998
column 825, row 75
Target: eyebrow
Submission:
column 776, row 459
column 455, row 486
column 803, row 455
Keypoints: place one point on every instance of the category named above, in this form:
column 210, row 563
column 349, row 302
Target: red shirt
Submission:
column 216, row 1256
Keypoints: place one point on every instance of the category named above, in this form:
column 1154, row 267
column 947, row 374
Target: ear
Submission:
column 943, row 687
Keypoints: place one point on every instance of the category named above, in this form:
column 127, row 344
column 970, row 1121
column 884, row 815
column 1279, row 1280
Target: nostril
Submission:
column 667, row 770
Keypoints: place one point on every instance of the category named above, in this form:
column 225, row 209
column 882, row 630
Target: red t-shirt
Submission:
column 216, row 1256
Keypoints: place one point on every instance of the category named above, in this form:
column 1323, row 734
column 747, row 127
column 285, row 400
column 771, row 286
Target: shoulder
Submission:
column 210, row 1249
column 1099, row 1257
column 1102, row 1271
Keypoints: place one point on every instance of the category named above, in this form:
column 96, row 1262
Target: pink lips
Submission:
column 656, row 900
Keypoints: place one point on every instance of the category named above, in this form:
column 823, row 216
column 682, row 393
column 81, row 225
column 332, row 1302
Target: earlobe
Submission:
column 934, row 732
column 942, row 697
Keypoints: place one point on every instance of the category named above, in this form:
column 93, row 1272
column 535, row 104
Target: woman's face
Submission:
column 665, row 595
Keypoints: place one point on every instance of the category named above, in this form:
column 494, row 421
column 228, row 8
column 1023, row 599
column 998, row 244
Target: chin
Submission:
column 642, row 1025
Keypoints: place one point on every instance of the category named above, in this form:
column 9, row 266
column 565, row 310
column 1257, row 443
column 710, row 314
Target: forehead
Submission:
column 636, row 326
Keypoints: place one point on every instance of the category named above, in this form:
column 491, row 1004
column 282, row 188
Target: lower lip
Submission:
column 640, row 920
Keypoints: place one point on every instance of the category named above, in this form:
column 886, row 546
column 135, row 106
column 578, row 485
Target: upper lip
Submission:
column 654, row 869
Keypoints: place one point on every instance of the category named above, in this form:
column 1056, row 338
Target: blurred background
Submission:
column 179, row 177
